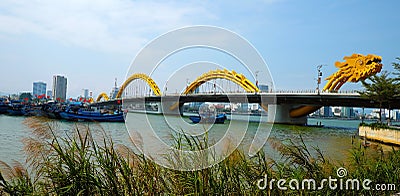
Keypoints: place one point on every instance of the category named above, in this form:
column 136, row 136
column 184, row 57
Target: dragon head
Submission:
column 361, row 67
column 353, row 69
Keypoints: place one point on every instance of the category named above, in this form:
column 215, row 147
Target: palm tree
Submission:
column 382, row 89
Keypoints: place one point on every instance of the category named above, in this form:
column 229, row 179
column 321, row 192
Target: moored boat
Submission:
column 218, row 119
column 15, row 109
column 4, row 106
column 97, row 116
column 119, row 117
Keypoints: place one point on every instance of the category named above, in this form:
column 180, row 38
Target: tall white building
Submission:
column 59, row 88
column 85, row 93
column 39, row 89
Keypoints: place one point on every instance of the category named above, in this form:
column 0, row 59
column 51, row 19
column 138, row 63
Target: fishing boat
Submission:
column 90, row 114
column 16, row 110
column 93, row 116
column 218, row 119
column 208, row 114
column 4, row 106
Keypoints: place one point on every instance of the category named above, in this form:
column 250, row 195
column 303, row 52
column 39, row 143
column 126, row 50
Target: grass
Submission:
column 81, row 163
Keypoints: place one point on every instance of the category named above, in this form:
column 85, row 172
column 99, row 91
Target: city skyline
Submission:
column 92, row 44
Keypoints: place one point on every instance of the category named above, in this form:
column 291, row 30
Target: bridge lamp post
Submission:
column 257, row 79
column 319, row 77
column 270, row 90
column 165, row 90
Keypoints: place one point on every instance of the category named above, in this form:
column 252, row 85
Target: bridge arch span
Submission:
column 143, row 77
column 104, row 96
column 237, row 78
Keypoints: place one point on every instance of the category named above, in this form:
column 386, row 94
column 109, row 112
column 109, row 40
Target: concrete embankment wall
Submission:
column 391, row 136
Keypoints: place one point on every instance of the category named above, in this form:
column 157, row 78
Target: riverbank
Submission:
column 387, row 135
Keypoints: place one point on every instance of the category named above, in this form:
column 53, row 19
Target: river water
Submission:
column 334, row 139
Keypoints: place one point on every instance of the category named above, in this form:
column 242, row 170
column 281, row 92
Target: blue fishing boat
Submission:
column 218, row 119
column 4, row 106
column 15, row 109
column 87, row 115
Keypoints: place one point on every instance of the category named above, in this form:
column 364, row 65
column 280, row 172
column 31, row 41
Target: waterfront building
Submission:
column 263, row 88
column 244, row 107
column 326, row 111
column 39, row 89
column 85, row 93
column 59, row 88
column 337, row 111
column 396, row 115
column 347, row 112
column 49, row 94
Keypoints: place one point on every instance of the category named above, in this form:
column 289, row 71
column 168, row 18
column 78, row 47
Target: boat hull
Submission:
column 98, row 118
column 219, row 119
column 4, row 108
column 15, row 112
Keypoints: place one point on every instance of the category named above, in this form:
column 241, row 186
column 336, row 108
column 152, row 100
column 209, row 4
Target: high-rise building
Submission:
column 39, row 89
column 59, row 88
column 347, row 112
column 327, row 111
column 85, row 93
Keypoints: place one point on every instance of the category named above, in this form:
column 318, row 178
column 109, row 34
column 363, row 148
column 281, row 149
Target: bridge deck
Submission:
column 324, row 99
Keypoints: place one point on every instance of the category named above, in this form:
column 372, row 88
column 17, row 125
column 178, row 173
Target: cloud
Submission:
column 111, row 26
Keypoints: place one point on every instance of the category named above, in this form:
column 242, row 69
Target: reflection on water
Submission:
column 334, row 139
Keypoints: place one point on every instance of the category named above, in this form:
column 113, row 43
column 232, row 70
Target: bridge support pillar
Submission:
column 282, row 115
column 166, row 108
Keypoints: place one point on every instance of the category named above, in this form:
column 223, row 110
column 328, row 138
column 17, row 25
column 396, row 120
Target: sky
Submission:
column 94, row 42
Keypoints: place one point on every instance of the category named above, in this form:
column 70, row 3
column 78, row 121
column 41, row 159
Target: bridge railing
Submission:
column 294, row 92
column 308, row 91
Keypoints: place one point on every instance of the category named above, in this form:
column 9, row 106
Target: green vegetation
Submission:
column 376, row 125
column 383, row 89
column 83, row 162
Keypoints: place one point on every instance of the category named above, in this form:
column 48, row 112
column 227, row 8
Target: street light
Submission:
column 319, row 76
column 256, row 77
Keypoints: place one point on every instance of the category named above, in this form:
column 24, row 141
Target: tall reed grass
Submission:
column 82, row 163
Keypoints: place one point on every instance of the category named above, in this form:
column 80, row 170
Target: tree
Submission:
column 25, row 97
column 396, row 67
column 382, row 89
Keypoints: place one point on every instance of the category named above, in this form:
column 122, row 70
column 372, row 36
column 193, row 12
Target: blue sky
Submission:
column 93, row 42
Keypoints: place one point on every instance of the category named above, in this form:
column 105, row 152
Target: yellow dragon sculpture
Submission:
column 354, row 68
